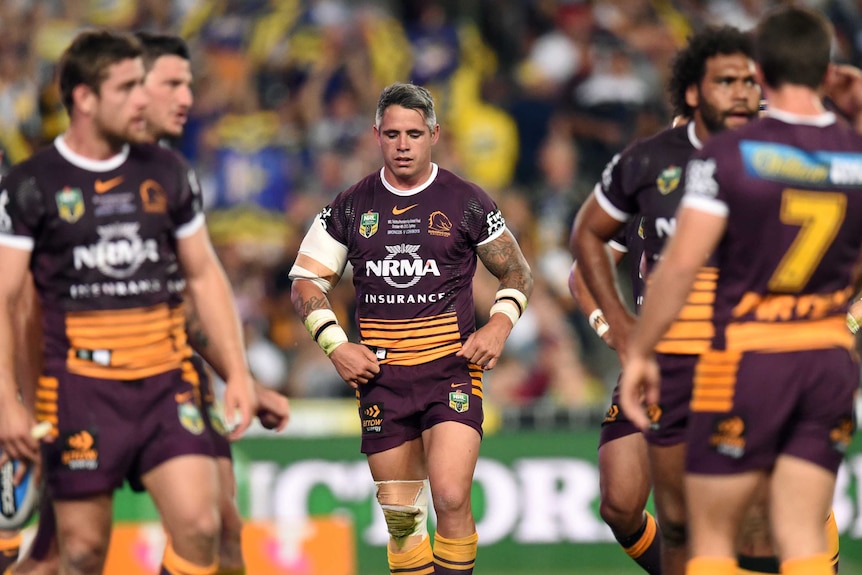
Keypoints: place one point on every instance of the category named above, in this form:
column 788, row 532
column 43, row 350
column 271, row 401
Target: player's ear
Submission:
column 84, row 99
column 435, row 134
column 692, row 96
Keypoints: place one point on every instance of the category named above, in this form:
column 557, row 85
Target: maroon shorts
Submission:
column 212, row 417
column 615, row 424
column 794, row 403
column 670, row 417
column 403, row 401
column 111, row 430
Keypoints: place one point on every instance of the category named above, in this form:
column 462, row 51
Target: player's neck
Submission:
column 795, row 99
column 406, row 184
column 87, row 143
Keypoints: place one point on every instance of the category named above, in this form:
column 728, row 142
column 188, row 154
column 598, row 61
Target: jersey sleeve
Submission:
column 22, row 209
column 615, row 192
column 484, row 220
column 187, row 212
column 702, row 189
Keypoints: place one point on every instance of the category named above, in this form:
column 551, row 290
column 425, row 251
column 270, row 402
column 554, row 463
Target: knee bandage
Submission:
column 405, row 507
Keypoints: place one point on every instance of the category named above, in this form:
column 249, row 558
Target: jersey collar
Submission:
column 692, row 136
column 87, row 163
column 415, row 190
column 820, row 120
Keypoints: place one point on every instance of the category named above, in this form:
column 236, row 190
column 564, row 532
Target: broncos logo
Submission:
column 439, row 224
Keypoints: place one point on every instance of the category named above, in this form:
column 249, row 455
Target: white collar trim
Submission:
column 692, row 136
column 413, row 191
column 88, row 163
column 820, row 120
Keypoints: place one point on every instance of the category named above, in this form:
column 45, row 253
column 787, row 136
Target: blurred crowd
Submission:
column 534, row 97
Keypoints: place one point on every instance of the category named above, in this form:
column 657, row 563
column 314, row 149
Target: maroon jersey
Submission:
column 629, row 241
column 791, row 191
column 103, row 239
column 646, row 182
column 413, row 255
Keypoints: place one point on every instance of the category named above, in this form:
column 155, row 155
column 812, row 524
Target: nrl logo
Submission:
column 368, row 224
column 668, row 180
column 70, row 204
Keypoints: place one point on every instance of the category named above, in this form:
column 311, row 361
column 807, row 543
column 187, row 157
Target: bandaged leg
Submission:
column 405, row 508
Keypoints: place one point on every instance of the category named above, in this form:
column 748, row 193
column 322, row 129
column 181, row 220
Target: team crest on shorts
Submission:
column 459, row 401
column 842, row 434
column 216, row 415
column 80, row 450
column 654, row 412
column 190, row 417
column 368, row 224
column 668, row 180
column 612, row 414
column 70, row 204
column 728, row 436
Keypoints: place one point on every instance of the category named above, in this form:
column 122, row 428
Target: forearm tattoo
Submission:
column 305, row 306
column 504, row 260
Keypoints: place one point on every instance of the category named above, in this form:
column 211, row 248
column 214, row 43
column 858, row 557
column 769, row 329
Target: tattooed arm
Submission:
column 504, row 259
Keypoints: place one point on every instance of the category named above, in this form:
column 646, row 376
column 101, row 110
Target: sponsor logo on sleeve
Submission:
column 5, row 220
column 495, row 222
column 700, row 178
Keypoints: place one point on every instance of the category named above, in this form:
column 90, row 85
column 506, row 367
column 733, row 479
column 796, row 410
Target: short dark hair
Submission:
column 158, row 45
column 689, row 64
column 88, row 57
column 408, row 96
column 792, row 45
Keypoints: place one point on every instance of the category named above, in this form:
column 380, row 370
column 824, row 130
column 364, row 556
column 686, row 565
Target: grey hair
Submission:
column 408, row 96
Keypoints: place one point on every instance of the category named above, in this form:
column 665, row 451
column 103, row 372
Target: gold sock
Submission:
column 711, row 566
column 455, row 555
column 418, row 560
column 173, row 564
column 646, row 539
column 819, row 564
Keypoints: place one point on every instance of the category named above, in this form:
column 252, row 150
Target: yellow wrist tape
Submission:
column 511, row 303
column 324, row 329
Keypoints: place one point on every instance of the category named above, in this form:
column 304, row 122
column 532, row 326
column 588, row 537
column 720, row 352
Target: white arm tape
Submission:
column 300, row 273
column 599, row 323
column 510, row 302
column 323, row 248
column 323, row 327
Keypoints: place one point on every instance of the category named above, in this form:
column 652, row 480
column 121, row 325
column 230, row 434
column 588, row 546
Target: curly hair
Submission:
column 689, row 64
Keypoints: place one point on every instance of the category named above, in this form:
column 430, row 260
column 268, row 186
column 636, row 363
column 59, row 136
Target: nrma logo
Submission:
column 403, row 267
column 119, row 253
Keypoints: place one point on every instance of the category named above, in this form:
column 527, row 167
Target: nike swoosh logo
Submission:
column 459, row 384
column 396, row 211
column 103, row 186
